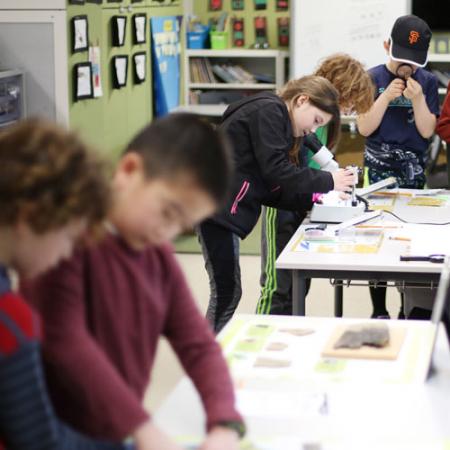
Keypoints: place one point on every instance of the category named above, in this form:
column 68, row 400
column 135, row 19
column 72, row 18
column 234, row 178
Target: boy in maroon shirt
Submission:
column 106, row 308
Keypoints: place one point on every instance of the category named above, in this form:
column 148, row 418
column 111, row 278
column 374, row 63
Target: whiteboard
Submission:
column 357, row 27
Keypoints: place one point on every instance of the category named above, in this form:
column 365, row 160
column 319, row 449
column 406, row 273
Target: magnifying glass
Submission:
column 404, row 71
column 436, row 258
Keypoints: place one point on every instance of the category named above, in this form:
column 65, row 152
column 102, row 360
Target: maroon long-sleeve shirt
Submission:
column 443, row 125
column 103, row 314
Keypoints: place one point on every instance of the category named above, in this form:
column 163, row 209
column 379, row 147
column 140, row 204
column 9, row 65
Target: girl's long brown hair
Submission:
column 321, row 94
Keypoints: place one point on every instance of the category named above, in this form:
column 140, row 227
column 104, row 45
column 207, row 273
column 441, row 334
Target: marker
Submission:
column 305, row 245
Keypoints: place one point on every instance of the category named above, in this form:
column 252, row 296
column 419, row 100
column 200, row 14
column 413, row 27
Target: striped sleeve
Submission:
column 27, row 419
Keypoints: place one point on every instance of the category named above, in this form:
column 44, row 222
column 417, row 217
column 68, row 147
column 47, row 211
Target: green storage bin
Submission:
column 219, row 39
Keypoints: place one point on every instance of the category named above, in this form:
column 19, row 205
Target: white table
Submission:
column 359, row 414
column 382, row 266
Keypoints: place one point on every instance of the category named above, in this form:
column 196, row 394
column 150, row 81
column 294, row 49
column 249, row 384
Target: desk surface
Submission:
column 431, row 237
column 284, row 411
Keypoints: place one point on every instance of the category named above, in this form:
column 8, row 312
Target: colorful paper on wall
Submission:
column 94, row 58
column 166, row 67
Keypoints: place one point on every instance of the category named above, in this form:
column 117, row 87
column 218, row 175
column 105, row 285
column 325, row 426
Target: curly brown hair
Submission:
column 49, row 177
column 349, row 77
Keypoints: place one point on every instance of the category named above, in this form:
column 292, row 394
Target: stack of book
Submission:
column 232, row 73
column 201, row 71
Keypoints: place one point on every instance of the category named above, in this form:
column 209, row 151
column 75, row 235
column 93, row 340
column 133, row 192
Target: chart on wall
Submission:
column 356, row 27
column 166, row 68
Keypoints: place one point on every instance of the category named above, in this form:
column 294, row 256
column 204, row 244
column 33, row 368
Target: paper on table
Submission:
column 349, row 240
column 426, row 201
column 424, row 242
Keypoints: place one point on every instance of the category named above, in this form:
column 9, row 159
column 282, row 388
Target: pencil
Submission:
column 399, row 238
column 391, row 194
column 378, row 226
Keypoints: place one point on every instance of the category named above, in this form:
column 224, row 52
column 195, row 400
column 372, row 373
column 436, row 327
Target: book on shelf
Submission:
column 223, row 74
column 264, row 78
column 230, row 73
column 201, row 71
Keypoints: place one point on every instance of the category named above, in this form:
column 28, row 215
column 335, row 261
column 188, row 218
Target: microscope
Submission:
column 334, row 209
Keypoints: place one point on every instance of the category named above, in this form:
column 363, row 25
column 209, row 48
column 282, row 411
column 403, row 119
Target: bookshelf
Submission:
column 441, row 63
column 215, row 78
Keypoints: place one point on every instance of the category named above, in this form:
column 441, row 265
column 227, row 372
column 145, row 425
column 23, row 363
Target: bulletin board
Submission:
column 357, row 27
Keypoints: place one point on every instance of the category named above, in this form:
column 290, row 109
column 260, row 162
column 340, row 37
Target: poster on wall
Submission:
column 139, row 22
column 80, row 33
column 119, row 25
column 94, row 59
column 166, row 49
column 120, row 71
column 140, row 67
column 82, row 81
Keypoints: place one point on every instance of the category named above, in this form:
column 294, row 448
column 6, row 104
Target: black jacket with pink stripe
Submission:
column 260, row 131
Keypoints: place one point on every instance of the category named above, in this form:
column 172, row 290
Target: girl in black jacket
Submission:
column 265, row 131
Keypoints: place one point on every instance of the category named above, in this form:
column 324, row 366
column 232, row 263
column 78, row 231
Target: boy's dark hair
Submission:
column 182, row 143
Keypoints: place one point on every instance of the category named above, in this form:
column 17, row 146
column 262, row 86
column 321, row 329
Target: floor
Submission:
column 167, row 371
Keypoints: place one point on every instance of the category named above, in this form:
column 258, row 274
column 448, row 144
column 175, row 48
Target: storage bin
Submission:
column 198, row 38
column 219, row 40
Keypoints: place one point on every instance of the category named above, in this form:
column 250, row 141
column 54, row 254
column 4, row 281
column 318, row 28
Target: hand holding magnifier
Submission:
column 404, row 71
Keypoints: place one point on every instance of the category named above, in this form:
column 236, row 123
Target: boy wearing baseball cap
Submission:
column 403, row 117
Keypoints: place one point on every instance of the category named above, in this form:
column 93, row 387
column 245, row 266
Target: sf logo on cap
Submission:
column 413, row 37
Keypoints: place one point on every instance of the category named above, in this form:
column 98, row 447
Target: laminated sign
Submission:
column 166, row 67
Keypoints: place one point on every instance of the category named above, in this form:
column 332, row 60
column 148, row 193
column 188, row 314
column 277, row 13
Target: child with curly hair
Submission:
column 52, row 190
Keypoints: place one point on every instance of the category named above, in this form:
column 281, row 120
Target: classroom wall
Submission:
column 201, row 9
column 108, row 122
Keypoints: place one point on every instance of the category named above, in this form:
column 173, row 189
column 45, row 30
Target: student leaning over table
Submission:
column 355, row 89
column 266, row 131
column 106, row 308
column 400, row 123
column 51, row 191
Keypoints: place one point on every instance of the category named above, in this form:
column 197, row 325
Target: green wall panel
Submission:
column 110, row 121
column 86, row 115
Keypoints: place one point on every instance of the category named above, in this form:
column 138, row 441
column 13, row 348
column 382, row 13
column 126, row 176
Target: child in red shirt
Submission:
column 107, row 307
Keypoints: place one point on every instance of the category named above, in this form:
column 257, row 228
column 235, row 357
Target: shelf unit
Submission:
column 270, row 62
column 439, row 61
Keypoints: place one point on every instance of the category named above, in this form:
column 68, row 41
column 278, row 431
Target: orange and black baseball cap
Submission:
column 410, row 39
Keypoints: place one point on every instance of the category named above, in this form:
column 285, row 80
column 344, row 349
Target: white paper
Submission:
column 139, row 61
column 121, row 70
column 83, row 81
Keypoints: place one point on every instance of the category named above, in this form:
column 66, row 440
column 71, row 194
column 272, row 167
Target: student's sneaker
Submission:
column 380, row 316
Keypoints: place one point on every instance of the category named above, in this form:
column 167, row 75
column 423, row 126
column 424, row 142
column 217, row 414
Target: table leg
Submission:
column 298, row 293
column 338, row 298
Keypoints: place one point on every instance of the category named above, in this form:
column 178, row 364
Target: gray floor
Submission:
column 167, row 371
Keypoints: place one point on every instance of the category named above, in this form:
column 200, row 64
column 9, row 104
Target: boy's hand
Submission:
column 149, row 437
column 413, row 89
column 221, row 438
column 395, row 89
